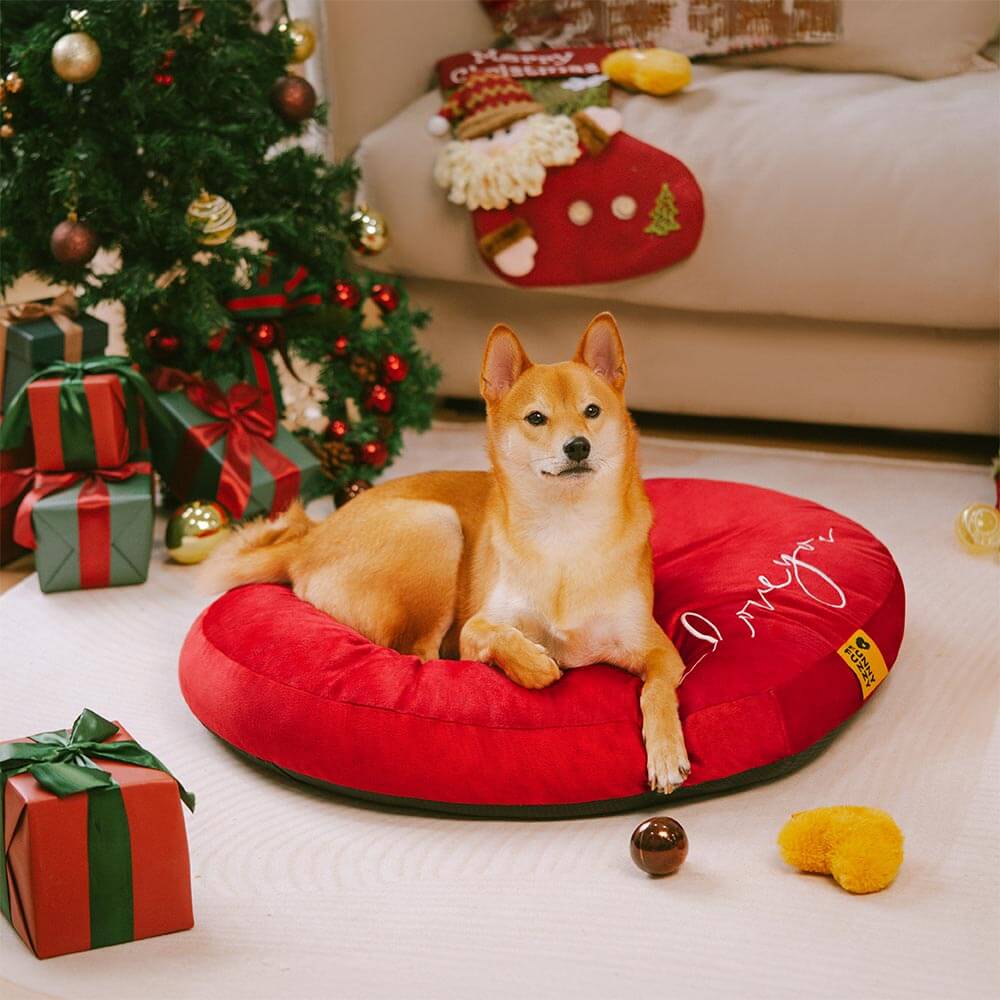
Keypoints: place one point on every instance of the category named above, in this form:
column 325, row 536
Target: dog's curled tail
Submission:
column 258, row 552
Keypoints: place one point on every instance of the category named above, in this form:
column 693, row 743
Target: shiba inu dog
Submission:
column 540, row 565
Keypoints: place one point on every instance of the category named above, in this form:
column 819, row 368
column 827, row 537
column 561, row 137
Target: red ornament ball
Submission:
column 217, row 339
column 346, row 294
column 374, row 453
column 162, row 344
column 336, row 430
column 263, row 334
column 659, row 845
column 386, row 297
column 163, row 77
column 341, row 346
column 396, row 368
column 293, row 98
column 73, row 242
column 379, row 399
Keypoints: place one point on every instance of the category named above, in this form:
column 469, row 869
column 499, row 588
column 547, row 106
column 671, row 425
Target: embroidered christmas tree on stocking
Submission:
column 558, row 200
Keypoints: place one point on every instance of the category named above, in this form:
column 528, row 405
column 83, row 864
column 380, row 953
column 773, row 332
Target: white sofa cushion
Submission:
column 838, row 196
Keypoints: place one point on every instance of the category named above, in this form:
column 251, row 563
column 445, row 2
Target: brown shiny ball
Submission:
column 659, row 845
column 351, row 490
column 293, row 98
column 73, row 242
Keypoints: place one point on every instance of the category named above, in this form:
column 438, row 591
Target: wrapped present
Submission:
column 94, row 848
column 83, row 415
column 89, row 529
column 224, row 443
column 16, row 476
column 35, row 334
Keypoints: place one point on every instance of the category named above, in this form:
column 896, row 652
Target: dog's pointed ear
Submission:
column 601, row 350
column 503, row 363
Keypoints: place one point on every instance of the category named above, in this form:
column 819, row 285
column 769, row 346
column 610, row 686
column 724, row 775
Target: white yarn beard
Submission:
column 494, row 171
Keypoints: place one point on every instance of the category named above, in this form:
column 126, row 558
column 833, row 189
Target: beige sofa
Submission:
column 848, row 271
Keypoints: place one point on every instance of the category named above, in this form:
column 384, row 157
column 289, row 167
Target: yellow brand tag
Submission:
column 864, row 657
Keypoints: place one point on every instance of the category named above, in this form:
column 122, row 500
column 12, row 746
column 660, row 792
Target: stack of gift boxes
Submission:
column 82, row 434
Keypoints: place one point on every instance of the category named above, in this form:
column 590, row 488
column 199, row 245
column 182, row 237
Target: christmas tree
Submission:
column 663, row 218
column 164, row 133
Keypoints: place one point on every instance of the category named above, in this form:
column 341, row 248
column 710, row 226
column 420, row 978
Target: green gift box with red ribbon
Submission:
column 94, row 850
column 83, row 415
column 90, row 528
column 223, row 442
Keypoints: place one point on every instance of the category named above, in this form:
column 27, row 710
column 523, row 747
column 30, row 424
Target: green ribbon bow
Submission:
column 17, row 417
column 63, row 763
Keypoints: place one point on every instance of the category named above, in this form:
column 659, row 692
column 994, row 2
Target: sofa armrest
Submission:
column 381, row 56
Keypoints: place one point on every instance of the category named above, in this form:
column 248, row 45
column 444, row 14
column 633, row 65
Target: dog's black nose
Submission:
column 577, row 449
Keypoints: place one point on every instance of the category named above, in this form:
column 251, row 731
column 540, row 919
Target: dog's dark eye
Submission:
column 536, row 419
column 591, row 411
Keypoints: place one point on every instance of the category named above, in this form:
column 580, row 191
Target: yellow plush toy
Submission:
column 862, row 848
column 651, row 71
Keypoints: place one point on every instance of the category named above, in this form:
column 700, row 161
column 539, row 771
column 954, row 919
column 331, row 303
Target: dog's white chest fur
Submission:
column 577, row 599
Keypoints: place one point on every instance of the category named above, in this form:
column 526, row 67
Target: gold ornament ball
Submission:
column 195, row 529
column 212, row 217
column 300, row 31
column 6, row 131
column 978, row 528
column 13, row 82
column 76, row 57
column 372, row 232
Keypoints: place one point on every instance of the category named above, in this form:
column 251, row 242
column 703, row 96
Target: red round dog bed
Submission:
column 787, row 615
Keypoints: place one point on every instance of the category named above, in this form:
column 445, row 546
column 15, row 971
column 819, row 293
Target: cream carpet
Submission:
column 300, row 894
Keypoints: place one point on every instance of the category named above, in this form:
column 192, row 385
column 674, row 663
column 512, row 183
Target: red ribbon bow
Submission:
column 246, row 416
column 93, row 511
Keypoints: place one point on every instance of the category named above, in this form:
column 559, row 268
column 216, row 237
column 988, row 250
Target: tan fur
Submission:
column 522, row 566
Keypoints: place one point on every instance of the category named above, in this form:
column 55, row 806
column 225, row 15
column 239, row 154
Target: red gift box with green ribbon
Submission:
column 83, row 415
column 223, row 442
column 94, row 849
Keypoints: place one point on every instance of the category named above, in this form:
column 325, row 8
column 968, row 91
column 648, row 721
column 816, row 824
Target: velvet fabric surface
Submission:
column 761, row 591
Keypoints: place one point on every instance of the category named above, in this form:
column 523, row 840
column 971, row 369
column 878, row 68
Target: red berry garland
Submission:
column 395, row 368
column 263, row 334
column 337, row 430
column 379, row 399
column 162, row 344
column 374, row 453
column 163, row 77
column 346, row 294
column 386, row 297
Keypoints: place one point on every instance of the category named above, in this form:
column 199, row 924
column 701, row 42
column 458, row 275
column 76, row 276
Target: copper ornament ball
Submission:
column 73, row 242
column 6, row 131
column 293, row 98
column 659, row 845
column 76, row 57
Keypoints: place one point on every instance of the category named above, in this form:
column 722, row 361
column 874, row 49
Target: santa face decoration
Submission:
column 560, row 201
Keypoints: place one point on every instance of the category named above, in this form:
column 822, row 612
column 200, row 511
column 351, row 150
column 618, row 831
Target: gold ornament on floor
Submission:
column 212, row 217
column 978, row 528
column 76, row 57
column 372, row 234
column 302, row 36
column 195, row 529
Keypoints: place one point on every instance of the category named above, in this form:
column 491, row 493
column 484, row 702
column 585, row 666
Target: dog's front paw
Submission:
column 531, row 667
column 667, row 765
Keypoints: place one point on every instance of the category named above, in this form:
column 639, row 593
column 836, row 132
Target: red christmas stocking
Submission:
column 622, row 209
